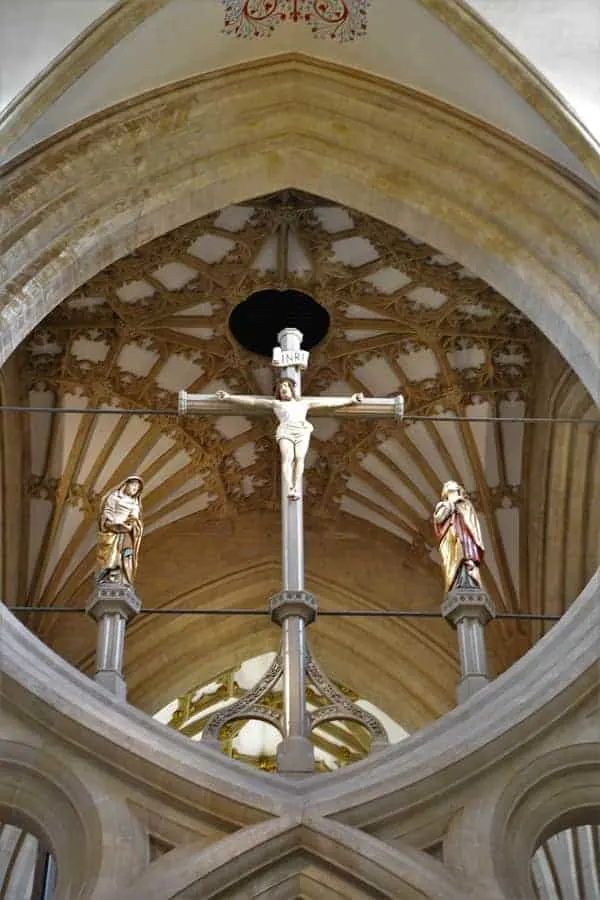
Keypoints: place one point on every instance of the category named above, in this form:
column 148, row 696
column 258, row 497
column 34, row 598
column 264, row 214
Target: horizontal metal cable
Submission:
column 374, row 613
column 101, row 411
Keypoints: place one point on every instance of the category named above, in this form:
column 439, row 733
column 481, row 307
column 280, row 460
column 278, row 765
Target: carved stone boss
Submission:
column 293, row 608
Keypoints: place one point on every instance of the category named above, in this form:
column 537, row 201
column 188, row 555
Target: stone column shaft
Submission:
column 468, row 611
column 112, row 605
column 293, row 610
column 111, row 642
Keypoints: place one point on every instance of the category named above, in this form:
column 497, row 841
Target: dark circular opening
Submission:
column 256, row 322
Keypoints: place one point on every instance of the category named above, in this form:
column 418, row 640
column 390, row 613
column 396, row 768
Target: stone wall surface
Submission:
column 486, row 781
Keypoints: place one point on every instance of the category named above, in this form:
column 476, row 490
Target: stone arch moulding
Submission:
column 124, row 18
column 561, row 789
column 521, row 74
column 502, row 210
column 558, row 789
column 40, row 794
column 263, row 856
column 114, row 182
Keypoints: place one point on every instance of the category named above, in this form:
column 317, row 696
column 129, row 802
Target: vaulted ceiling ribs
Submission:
column 404, row 318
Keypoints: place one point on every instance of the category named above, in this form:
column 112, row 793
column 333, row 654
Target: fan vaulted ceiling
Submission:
column 404, row 318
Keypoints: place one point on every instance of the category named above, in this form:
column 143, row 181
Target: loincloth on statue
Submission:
column 294, row 432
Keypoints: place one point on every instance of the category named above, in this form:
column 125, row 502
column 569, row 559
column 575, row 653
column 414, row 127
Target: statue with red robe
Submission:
column 459, row 533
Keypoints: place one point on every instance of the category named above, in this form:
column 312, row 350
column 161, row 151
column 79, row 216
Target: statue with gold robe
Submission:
column 120, row 530
column 459, row 533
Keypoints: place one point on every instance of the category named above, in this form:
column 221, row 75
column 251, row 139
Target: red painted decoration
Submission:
column 340, row 20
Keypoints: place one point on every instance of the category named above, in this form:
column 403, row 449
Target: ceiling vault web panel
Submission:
column 402, row 317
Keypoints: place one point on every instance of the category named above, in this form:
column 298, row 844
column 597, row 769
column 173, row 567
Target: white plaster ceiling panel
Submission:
column 355, row 485
column 196, row 505
column 419, row 364
column 65, row 435
column 233, row 218
column 133, row 432
column 508, row 524
column 378, row 375
column 211, row 248
column 388, row 280
column 178, row 373
column 427, row 297
column 203, row 333
column 104, row 428
column 159, row 448
column 359, row 312
column 402, row 460
column 427, row 442
column 136, row 359
column 84, row 554
column 39, row 519
column 485, row 436
column 40, row 436
column 134, row 290
column 170, row 467
column 324, row 429
column 68, row 525
column 266, row 261
column 195, row 484
column 446, row 359
column 361, row 511
column 175, row 275
column 405, row 43
column 231, row 426
column 562, row 40
column 245, row 455
column 512, row 439
column 93, row 351
column 34, row 32
column 386, row 476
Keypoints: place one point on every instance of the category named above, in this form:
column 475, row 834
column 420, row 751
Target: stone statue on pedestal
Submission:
column 459, row 533
column 120, row 530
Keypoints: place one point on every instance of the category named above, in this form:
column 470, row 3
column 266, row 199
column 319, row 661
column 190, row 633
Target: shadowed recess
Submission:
column 256, row 322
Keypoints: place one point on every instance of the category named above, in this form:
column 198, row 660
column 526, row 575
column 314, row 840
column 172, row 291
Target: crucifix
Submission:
column 293, row 608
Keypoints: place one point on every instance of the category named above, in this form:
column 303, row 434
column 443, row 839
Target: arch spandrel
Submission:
column 399, row 176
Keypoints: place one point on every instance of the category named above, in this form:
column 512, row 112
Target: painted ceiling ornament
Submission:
column 339, row 20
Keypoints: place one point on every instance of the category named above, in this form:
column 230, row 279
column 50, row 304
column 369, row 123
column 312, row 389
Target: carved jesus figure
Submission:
column 459, row 533
column 293, row 431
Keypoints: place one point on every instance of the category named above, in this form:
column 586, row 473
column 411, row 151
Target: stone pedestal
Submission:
column 293, row 610
column 112, row 605
column 469, row 610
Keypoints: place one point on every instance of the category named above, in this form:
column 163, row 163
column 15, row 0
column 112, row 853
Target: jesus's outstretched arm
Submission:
column 333, row 402
column 241, row 400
